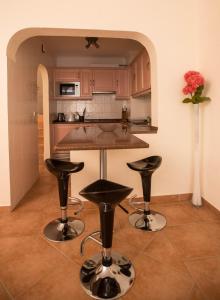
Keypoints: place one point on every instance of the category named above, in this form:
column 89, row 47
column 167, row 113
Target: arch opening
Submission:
column 21, row 37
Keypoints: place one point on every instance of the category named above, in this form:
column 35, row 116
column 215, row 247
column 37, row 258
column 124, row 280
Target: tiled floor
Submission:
column 181, row 262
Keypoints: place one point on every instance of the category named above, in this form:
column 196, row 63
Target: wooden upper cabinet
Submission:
column 86, row 83
column 133, row 78
column 122, row 84
column 67, row 75
column 103, row 80
column 94, row 80
column 140, row 74
column 146, row 83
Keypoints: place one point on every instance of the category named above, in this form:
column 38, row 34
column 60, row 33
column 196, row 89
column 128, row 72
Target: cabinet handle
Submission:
column 93, row 82
column 116, row 83
column 90, row 82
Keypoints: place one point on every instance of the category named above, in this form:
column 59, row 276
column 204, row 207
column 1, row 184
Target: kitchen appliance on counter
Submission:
column 70, row 117
column 146, row 121
column 60, row 117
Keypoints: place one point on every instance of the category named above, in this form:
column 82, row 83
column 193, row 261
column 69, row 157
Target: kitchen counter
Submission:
column 101, row 136
column 131, row 127
column 90, row 121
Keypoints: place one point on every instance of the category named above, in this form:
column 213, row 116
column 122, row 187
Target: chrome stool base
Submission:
column 57, row 231
column 101, row 282
column 154, row 221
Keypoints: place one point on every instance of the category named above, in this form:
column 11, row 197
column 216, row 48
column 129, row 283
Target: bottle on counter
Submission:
column 124, row 114
column 148, row 121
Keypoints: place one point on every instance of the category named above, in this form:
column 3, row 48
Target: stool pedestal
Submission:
column 107, row 282
column 58, row 231
column 153, row 221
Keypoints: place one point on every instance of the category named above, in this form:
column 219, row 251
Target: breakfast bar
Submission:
column 92, row 144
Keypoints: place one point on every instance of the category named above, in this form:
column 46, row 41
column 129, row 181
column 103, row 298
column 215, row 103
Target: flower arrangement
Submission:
column 194, row 87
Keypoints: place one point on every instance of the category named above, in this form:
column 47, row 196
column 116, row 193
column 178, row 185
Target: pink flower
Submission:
column 189, row 89
column 193, row 78
column 194, row 86
column 190, row 73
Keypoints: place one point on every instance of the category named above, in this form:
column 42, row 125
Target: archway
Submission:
column 14, row 45
column 19, row 37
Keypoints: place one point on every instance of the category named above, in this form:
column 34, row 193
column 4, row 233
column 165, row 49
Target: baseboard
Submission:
column 155, row 199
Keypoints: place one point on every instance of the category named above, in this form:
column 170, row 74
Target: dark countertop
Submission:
column 102, row 136
column 92, row 121
column 133, row 128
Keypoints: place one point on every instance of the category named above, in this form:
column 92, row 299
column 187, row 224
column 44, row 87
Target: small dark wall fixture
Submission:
column 92, row 42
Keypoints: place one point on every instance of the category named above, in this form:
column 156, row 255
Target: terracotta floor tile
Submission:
column 206, row 273
column 205, row 212
column 24, row 260
column 60, row 283
column 19, row 223
column 197, row 294
column 34, row 268
column 196, row 239
column 3, row 293
column 156, row 281
column 162, row 250
column 176, row 214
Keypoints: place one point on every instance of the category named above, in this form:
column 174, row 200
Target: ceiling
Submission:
column 109, row 47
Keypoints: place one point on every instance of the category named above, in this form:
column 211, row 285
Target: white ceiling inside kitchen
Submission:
column 109, row 47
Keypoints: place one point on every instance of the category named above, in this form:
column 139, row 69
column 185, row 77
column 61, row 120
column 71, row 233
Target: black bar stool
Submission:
column 107, row 275
column 145, row 218
column 64, row 228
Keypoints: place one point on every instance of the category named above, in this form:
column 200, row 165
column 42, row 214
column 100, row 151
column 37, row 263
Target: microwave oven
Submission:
column 71, row 89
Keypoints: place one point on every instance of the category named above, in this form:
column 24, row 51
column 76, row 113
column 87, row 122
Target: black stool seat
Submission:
column 57, row 167
column 147, row 164
column 105, row 191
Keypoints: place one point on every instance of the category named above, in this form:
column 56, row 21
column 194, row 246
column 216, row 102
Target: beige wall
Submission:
column 23, row 108
column 170, row 27
column 209, row 61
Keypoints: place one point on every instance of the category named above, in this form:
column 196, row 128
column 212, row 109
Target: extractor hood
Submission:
column 104, row 92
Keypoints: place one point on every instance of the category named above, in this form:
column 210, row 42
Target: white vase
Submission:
column 196, row 197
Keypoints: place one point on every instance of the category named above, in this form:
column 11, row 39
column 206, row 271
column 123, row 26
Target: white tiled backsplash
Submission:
column 102, row 106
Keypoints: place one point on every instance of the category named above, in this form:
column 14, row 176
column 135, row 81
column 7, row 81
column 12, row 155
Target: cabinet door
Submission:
column 66, row 75
column 86, row 83
column 134, row 78
column 103, row 80
column 146, row 71
column 140, row 74
column 122, row 84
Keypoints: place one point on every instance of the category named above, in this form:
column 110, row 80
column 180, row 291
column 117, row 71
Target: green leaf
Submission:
column 194, row 99
column 199, row 90
column 202, row 99
column 187, row 100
